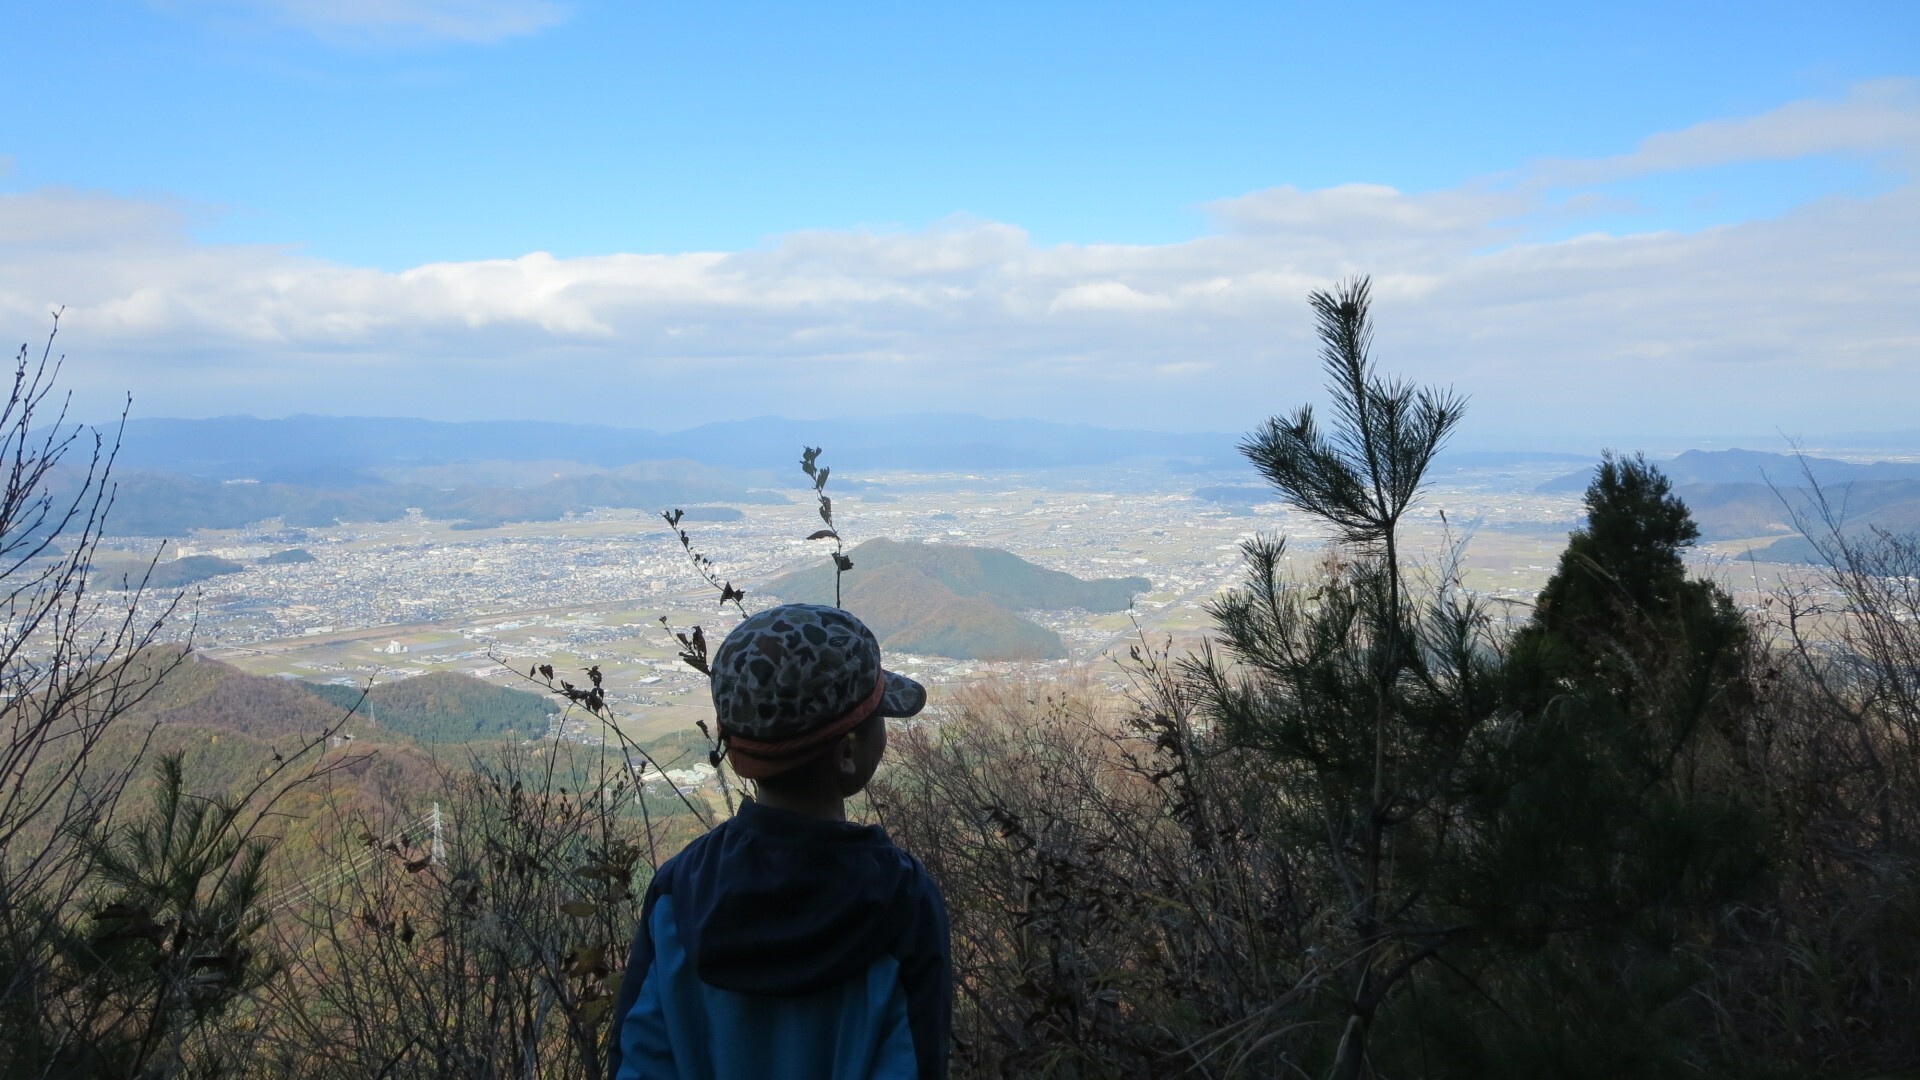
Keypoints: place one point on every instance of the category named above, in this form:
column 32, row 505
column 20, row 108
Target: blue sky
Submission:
column 868, row 175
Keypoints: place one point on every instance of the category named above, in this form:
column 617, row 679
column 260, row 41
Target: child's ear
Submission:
column 846, row 754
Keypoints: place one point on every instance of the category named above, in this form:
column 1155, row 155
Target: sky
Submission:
column 1634, row 223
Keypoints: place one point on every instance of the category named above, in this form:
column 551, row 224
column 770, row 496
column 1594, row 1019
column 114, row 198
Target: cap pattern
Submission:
column 790, row 670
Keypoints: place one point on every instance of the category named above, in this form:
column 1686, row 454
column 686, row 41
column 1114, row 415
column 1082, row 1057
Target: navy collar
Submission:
column 779, row 824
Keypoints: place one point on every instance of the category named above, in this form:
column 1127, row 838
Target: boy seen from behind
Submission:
column 789, row 943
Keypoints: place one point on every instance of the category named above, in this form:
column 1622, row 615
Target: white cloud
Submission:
column 1875, row 118
column 1803, row 321
column 393, row 22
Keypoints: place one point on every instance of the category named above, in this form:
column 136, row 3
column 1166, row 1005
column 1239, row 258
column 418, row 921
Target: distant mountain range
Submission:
column 1750, row 494
column 1755, row 467
column 956, row 601
column 161, row 504
column 335, row 451
column 175, row 475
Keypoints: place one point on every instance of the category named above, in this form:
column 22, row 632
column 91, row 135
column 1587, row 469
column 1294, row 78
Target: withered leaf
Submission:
column 825, row 534
column 586, row 961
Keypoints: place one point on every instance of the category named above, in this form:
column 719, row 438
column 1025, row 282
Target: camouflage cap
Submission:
column 791, row 677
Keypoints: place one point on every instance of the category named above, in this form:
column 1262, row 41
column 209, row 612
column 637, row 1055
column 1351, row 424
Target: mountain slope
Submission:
column 1747, row 494
column 1755, row 467
column 440, row 707
column 1742, row 511
column 444, row 707
column 950, row 600
column 989, row 573
column 913, row 612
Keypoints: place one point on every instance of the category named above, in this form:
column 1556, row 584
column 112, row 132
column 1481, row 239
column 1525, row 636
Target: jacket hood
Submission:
column 775, row 903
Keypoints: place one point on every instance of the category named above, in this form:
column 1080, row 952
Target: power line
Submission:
column 307, row 887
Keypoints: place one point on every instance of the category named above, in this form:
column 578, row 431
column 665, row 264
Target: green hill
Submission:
column 121, row 573
column 199, row 692
column 912, row 612
column 951, row 600
column 1744, row 511
column 1002, row 577
column 441, row 707
column 445, row 707
column 289, row 557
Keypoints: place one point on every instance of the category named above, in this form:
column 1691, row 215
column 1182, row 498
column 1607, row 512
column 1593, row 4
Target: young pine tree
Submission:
column 1356, row 700
column 1513, row 856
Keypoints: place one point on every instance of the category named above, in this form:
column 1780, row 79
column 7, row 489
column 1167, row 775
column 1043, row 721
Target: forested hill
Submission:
column 956, row 601
column 442, row 707
column 998, row 576
column 201, row 693
column 445, row 707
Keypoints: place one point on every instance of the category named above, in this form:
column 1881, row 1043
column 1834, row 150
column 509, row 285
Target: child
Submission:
column 788, row 943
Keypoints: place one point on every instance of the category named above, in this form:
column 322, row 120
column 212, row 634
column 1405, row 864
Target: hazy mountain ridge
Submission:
column 1758, row 467
column 157, row 504
column 325, row 450
column 954, row 600
column 1747, row 494
column 1740, row 511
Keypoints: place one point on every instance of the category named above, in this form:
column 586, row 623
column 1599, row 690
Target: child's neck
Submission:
column 814, row 804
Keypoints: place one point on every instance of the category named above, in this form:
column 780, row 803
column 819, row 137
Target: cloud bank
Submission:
column 391, row 22
column 1803, row 322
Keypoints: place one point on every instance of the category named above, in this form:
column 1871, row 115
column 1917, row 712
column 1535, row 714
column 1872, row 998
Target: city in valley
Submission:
column 388, row 601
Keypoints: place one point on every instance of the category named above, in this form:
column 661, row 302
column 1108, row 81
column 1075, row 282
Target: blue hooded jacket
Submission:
column 783, row 947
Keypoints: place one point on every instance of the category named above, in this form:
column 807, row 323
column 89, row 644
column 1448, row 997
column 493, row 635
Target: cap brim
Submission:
column 903, row 696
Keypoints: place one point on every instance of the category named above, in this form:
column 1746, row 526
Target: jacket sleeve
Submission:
column 927, row 975
column 639, row 963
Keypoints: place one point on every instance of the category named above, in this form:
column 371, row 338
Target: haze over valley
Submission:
column 411, row 547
